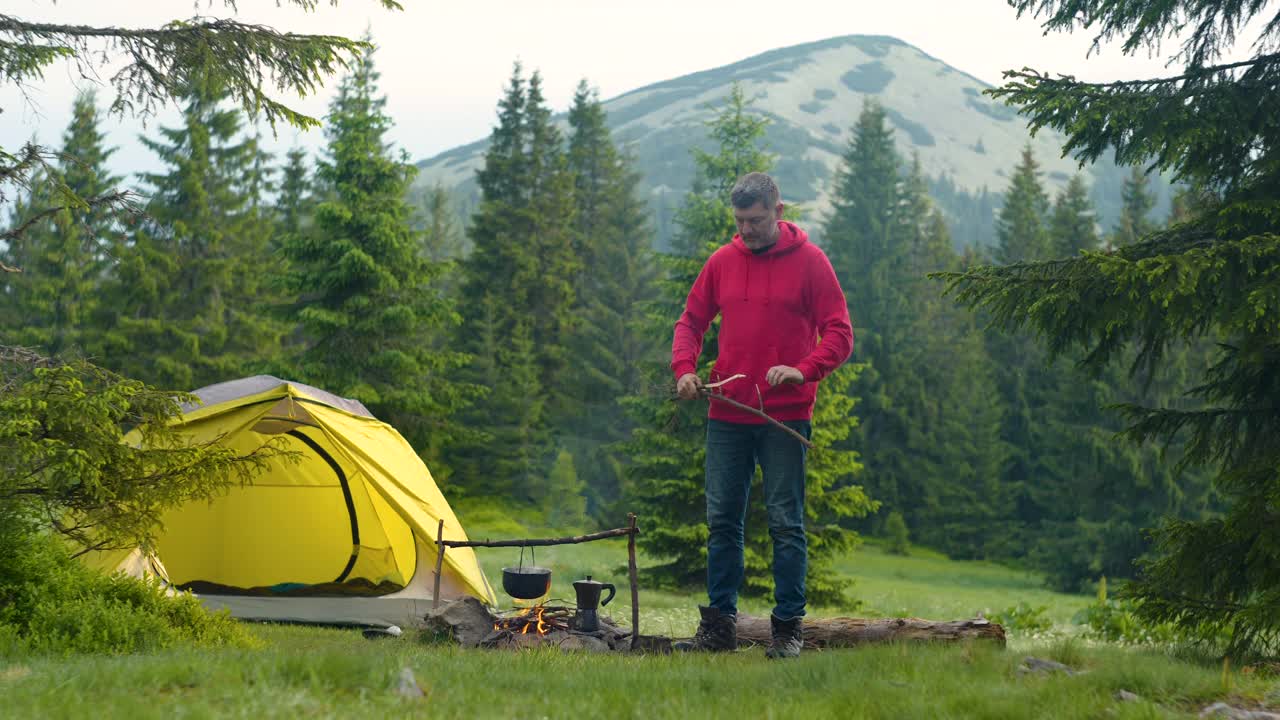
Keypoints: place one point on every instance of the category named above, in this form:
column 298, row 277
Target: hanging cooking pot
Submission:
column 526, row 582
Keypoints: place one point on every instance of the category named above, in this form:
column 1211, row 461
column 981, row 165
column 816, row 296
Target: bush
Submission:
column 1118, row 621
column 51, row 603
column 64, row 454
column 1024, row 619
column 895, row 529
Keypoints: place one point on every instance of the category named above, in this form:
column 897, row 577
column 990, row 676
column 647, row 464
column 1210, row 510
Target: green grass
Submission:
column 927, row 584
column 316, row 672
column 324, row 672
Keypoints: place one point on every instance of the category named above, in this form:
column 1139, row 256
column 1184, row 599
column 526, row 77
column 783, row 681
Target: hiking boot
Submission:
column 717, row 632
column 788, row 637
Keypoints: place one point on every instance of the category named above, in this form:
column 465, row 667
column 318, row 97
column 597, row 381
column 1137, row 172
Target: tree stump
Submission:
column 848, row 632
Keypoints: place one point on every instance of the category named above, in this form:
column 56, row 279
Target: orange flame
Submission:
column 539, row 626
column 527, row 618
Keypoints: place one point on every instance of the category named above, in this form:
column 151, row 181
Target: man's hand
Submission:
column 779, row 374
column 687, row 386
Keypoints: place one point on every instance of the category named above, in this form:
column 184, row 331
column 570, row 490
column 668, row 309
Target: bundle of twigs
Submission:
column 712, row 392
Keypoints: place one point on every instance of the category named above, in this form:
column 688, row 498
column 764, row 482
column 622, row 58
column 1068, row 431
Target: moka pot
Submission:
column 587, row 618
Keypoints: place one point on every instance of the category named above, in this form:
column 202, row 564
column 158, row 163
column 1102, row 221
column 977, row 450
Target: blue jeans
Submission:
column 733, row 449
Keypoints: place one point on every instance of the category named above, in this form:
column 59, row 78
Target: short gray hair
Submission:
column 755, row 188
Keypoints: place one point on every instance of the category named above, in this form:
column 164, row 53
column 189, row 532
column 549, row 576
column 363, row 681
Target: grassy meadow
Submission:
column 327, row 672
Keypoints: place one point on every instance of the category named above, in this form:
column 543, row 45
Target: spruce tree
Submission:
column 63, row 257
column 549, row 217
column 928, row 430
column 615, row 281
column 442, row 238
column 183, row 308
column 1136, row 205
column 1073, row 226
column 1021, row 230
column 370, row 306
column 1024, row 375
column 949, row 411
column 1209, row 278
column 519, row 278
column 294, row 205
column 864, row 238
column 860, row 234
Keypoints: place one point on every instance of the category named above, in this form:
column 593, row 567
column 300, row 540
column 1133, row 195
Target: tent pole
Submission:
column 435, row 594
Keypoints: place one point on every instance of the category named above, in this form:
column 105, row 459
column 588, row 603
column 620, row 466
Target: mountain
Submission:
column 813, row 93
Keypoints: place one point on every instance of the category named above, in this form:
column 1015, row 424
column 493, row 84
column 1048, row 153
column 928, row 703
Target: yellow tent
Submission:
column 340, row 533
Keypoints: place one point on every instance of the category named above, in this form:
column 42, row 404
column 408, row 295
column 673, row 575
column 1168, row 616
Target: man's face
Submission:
column 758, row 225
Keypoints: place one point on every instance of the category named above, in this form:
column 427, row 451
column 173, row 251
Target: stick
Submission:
column 716, row 396
column 440, row 546
column 618, row 532
column 635, row 586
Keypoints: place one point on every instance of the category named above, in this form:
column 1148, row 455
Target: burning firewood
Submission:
column 539, row 620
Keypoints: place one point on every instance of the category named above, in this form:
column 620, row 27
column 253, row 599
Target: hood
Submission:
column 790, row 237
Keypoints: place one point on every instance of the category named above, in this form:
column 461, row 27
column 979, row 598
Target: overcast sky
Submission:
column 444, row 64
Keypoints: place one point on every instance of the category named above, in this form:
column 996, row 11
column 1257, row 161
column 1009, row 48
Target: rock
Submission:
column 1126, row 696
column 1223, row 710
column 1034, row 664
column 585, row 643
column 466, row 620
column 408, row 684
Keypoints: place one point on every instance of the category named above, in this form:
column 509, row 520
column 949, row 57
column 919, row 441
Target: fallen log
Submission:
column 847, row 632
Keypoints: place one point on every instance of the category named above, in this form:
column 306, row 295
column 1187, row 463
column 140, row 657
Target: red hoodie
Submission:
column 773, row 307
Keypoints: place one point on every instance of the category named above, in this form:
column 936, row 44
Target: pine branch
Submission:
column 1215, row 22
column 1233, row 108
column 120, row 198
column 161, row 61
column 1177, row 284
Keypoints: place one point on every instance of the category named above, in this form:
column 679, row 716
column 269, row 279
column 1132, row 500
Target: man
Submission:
column 776, row 294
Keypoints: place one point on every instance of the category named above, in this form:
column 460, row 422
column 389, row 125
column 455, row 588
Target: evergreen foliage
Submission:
column 895, row 529
column 1135, row 210
column 1213, row 276
column 569, row 507
column 442, row 239
column 859, row 234
column 517, row 296
column 63, row 256
column 1021, row 227
column 616, row 279
column 183, row 306
column 151, row 66
column 369, row 303
column 1073, row 226
column 64, row 462
column 50, row 603
column 928, row 429
column 295, row 202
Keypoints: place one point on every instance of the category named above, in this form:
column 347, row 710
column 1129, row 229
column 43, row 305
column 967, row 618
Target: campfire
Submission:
column 471, row 624
column 539, row 620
